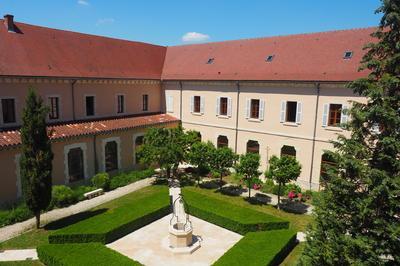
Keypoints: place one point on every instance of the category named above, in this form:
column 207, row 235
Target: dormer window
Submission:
column 348, row 55
column 269, row 58
column 210, row 61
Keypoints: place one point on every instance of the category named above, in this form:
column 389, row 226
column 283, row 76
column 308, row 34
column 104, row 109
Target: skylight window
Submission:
column 348, row 55
column 210, row 61
column 269, row 58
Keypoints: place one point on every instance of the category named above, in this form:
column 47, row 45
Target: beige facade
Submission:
column 307, row 134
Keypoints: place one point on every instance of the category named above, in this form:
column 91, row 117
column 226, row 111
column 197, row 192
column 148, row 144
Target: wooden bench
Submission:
column 93, row 193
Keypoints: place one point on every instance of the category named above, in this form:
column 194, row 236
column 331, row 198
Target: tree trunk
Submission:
column 220, row 181
column 249, row 187
column 37, row 216
column 168, row 172
column 279, row 195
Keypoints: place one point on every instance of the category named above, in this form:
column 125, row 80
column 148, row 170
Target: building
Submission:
column 278, row 95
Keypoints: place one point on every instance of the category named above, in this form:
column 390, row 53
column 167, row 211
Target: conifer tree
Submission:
column 36, row 159
column 357, row 220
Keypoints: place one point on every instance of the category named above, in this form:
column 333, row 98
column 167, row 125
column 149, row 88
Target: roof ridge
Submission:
column 277, row 36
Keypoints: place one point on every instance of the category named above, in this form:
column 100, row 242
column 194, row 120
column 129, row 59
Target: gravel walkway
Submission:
column 14, row 230
column 18, row 255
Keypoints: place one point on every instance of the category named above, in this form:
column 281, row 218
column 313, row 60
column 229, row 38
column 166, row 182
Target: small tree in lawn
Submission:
column 248, row 167
column 198, row 156
column 164, row 146
column 220, row 160
column 283, row 170
column 36, row 159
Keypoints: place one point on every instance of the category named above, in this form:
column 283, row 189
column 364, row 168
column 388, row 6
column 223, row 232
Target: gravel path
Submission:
column 18, row 255
column 14, row 230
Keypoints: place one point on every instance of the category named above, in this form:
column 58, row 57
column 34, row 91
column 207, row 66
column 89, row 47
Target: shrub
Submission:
column 268, row 186
column 80, row 191
column 62, row 196
column 14, row 214
column 292, row 187
column 124, row 179
column 260, row 248
column 82, row 254
column 101, row 180
column 275, row 190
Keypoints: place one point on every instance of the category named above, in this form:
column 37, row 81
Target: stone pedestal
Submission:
column 178, row 237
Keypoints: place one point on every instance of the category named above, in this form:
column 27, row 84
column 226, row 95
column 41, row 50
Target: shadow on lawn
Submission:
column 212, row 184
column 63, row 222
column 232, row 190
column 259, row 199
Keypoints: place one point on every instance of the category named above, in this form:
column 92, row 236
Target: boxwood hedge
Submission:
column 82, row 254
column 260, row 248
column 235, row 218
column 117, row 220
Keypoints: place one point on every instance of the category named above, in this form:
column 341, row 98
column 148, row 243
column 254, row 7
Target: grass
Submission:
column 22, row 263
column 294, row 256
column 298, row 222
column 83, row 254
column 259, row 248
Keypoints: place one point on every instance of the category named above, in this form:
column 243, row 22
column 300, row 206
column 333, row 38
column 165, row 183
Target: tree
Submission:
column 198, row 156
column 36, row 159
column 220, row 160
column 283, row 170
column 357, row 220
column 164, row 146
column 248, row 167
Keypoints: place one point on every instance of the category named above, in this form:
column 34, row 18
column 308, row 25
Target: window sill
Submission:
column 254, row 120
column 223, row 116
column 198, row 114
column 332, row 128
column 290, row 124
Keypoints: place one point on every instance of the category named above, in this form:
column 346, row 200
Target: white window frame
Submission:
column 116, row 103
column 228, row 107
column 261, row 109
column 59, row 107
column 103, row 152
column 15, row 110
column 94, row 105
column 202, row 105
column 67, row 148
column 326, row 112
column 299, row 113
column 134, row 137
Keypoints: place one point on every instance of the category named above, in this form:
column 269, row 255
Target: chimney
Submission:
column 9, row 22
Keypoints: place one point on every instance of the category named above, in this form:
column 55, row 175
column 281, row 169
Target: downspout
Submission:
column 180, row 100
column 73, row 99
column 237, row 115
column 317, row 86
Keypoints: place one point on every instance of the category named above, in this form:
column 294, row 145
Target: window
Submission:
column 335, row 113
column 145, row 102
column 111, row 156
column 75, row 165
column 210, row 61
column 8, row 108
column 327, row 162
column 253, row 147
column 291, row 110
column 269, row 58
column 255, row 108
column 90, row 106
column 197, row 104
column 54, row 108
column 138, row 142
column 288, row 151
column 120, row 104
column 170, row 104
column 222, row 141
column 348, row 55
column 223, row 106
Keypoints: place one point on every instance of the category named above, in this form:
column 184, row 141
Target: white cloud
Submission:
column 105, row 21
column 195, row 37
column 83, row 2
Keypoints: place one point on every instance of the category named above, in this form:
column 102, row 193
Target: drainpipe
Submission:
column 317, row 86
column 237, row 115
column 73, row 98
column 180, row 100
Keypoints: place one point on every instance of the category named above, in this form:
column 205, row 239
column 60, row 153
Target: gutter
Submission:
column 317, row 86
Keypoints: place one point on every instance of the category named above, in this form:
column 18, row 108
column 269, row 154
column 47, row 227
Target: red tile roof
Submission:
column 303, row 57
column 12, row 138
column 41, row 51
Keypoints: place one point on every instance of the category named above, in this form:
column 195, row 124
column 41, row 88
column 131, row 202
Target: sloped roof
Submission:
column 40, row 51
column 302, row 57
column 13, row 138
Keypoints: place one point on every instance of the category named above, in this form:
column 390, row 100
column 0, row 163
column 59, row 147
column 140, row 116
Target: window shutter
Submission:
column 344, row 115
column 202, row 104
column 191, row 104
column 283, row 111
column 247, row 111
column 217, row 106
column 325, row 115
column 229, row 106
column 299, row 112
column 261, row 109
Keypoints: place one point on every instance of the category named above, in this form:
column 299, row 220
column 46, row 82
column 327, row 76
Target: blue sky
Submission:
column 172, row 22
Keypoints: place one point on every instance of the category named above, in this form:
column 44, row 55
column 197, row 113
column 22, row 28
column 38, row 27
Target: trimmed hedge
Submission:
column 130, row 214
column 82, row 254
column 260, row 248
column 232, row 217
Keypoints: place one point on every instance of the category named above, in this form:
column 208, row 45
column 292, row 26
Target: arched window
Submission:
column 75, row 165
column 288, row 151
column 327, row 162
column 111, row 156
column 138, row 142
column 222, row 141
column 253, row 147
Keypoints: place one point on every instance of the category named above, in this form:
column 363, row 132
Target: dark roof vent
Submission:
column 210, row 61
column 348, row 55
column 9, row 23
column 269, row 58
